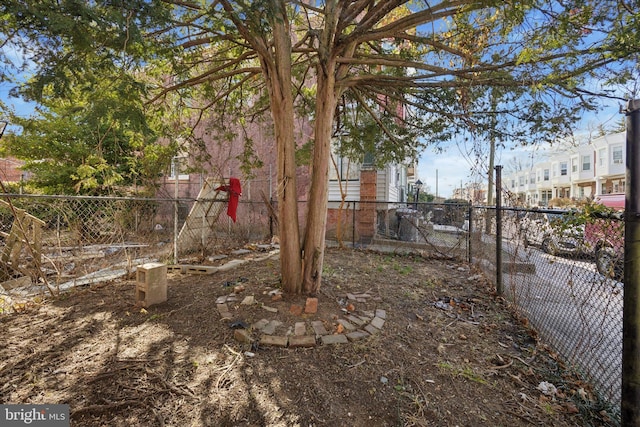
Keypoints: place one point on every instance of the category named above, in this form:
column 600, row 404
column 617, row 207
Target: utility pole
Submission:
column 631, row 302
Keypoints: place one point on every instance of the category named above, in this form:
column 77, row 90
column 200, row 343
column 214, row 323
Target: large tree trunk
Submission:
column 314, row 241
column 281, row 94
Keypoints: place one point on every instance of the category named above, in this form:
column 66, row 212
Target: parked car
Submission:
column 553, row 232
column 604, row 233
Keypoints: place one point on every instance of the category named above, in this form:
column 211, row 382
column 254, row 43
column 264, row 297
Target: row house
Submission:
column 376, row 194
column 586, row 171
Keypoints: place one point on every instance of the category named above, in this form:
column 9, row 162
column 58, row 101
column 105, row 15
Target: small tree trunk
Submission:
column 314, row 242
column 278, row 73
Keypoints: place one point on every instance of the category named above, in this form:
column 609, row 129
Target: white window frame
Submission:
column 564, row 171
column 602, row 156
column 172, row 171
column 615, row 149
column 348, row 170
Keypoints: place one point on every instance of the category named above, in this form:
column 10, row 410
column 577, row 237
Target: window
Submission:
column 586, row 163
column 603, row 188
column 574, row 165
column 532, row 179
column 345, row 170
column 546, row 175
column 521, row 181
column 179, row 164
column 616, row 154
column 513, row 183
column 602, row 157
column 563, row 168
column 619, row 186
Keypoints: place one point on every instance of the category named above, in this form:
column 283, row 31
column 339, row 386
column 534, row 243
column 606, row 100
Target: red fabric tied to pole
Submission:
column 235, row 191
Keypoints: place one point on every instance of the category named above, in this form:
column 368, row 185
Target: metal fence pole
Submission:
column 469, row 234
column 499, row 284
column 630, row 407
column 353, row 231
column 175, row 210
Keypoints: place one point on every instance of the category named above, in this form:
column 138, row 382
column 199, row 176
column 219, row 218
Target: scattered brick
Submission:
column 275, row 341
column 334, row 339
column 371, row 329
column 356, row 335
column 276, row 298
column 270, row 328
column 377, row 322
column 302, row 341
column 381, row 313
column 355, row 319
column 311, row 306
column 318, row 328
column 300, row 328
column 296, row 310
column 348, row 326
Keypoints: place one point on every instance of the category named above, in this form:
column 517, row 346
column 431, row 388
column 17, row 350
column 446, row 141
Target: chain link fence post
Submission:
column 469, row 234
column 175, row 209
column 499, row 282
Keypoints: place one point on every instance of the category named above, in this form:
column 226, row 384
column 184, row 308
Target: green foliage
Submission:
column 92, row 129
column 510, row 72
column 92, row 140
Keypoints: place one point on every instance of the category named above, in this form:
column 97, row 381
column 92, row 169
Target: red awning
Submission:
column 614, row 201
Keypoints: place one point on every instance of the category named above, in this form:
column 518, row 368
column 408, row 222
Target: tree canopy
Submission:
column 387, row 75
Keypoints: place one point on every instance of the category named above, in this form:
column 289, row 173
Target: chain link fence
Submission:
column 562, row 274
column 51, row 243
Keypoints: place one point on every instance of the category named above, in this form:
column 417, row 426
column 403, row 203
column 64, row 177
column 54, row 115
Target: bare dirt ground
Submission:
column 449, row 353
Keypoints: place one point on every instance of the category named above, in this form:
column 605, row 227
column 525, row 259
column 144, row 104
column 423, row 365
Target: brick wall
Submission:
column 9, row 170
column 345, row 217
